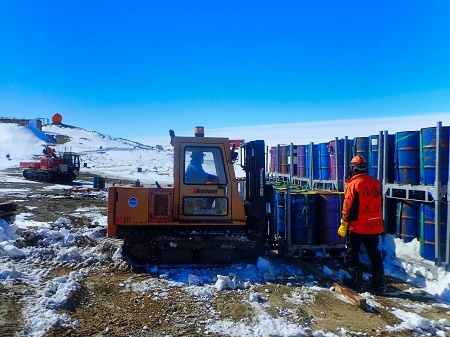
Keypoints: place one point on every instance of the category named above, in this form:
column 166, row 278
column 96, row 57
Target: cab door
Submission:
column 207, row 181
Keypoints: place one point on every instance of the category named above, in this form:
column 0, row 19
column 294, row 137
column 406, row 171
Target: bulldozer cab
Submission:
column 205, row 188
column 204, row 165
column 72, row 160
column 204, row 173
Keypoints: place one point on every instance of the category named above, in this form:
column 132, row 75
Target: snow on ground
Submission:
column 120, row 159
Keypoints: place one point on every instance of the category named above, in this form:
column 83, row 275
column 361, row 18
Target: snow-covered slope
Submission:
column 83, row 140
column 100, row 154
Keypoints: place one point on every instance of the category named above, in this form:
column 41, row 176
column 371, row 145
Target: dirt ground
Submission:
column 106, row 305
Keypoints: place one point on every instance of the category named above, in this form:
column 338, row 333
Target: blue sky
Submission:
column 138, row 68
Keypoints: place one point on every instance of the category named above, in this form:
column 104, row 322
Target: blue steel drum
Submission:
column 324, row 162
column 301, row 168
column 99, row 183
column 361, row 147
column 315, row 158
column 374, row 153
column 316, row 173
column 407, row 157
column 428, row 162
column 303, row 218
column 337, row 152
column 95, row 182
column 408, row 220
column 329, row 217
column 428, row 231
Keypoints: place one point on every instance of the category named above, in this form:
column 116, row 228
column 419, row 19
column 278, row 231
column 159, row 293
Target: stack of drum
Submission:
column 416, row 155
column 314, row 215
column 407, row 160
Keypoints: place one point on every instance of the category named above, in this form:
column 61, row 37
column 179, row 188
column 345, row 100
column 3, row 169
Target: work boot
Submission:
column 377, row 285
column 356, row 280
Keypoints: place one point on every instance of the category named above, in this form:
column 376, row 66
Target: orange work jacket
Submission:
column 363, row 207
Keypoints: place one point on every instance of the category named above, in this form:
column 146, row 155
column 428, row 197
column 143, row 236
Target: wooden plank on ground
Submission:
column 350, row 294
column 339, row 288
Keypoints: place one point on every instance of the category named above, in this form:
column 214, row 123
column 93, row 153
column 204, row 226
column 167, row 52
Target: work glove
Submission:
column 342, row 231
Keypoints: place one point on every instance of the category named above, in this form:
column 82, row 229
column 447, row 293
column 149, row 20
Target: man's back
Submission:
column 363, row 206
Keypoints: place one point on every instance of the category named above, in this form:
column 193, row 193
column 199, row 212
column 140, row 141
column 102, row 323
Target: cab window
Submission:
column 203, row 165
column 199, row 206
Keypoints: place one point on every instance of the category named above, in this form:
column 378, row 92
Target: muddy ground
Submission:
column 106, row 305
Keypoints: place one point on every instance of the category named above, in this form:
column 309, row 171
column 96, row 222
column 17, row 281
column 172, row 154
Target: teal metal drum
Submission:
column 428, row 155
column 428, row 231
column 408, row 220
column 303, row 217
column 407, row 157
column 329, row 217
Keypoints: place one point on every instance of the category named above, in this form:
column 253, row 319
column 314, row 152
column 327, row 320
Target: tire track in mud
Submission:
column 11, row 319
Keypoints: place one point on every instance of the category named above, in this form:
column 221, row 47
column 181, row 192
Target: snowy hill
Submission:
column 100, row 154
column 86, row 139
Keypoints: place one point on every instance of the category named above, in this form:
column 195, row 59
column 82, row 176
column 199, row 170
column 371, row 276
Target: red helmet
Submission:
column 358, row 163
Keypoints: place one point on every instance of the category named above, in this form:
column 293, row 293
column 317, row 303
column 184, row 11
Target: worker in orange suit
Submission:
column 361, row 223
